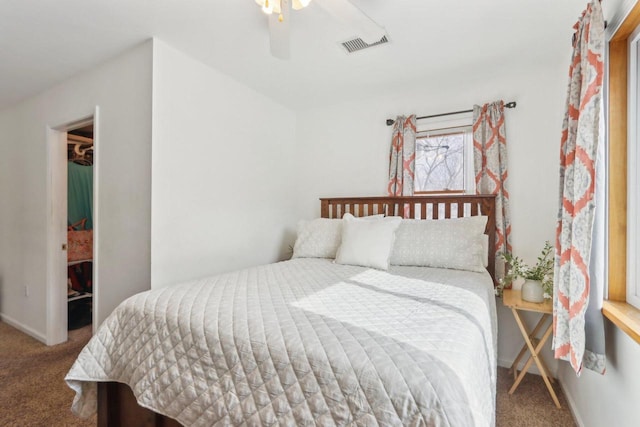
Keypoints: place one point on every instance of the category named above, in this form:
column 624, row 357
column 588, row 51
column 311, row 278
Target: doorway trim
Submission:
column 56, row 286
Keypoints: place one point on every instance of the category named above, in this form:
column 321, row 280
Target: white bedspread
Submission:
column 304, row 342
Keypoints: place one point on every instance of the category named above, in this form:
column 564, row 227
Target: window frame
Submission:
column 633, row 177
column 616, row 308
column 462, row 123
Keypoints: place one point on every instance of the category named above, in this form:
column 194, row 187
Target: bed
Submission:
column 305, row 342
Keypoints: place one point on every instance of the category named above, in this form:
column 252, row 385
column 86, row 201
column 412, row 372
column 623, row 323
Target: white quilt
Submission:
column 304, row 342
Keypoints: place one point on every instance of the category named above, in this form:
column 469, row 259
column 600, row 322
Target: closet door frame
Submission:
column 56, row 299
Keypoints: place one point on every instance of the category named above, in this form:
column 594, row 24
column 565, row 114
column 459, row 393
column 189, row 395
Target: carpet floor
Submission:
column 530, row 405
column 33, row 391
column 32, row 387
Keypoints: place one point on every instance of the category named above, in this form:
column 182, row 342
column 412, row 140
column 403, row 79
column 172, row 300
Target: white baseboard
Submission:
column 572, row 406
column 24, row 328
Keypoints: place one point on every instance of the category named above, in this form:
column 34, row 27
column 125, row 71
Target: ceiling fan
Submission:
column 279, row 12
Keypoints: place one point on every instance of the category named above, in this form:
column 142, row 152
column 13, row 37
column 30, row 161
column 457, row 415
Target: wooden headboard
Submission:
column 420, row 207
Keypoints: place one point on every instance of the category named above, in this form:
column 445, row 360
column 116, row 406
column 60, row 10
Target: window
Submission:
column 633, row 177
column 617, row 308
column 444, row 160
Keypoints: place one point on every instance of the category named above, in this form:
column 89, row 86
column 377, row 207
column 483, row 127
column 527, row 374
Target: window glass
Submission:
column 633, row 177
column 442, row 161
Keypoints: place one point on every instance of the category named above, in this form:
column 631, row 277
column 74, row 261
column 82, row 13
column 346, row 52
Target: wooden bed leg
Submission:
column 117, row 406
column 106, row 394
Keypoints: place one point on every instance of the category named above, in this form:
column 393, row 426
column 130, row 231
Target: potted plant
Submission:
column 538, row 279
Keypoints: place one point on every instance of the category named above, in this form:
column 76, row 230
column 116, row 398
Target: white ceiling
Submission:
column 45, row 42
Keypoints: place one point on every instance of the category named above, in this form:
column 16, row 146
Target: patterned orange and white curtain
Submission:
column 402, row 160
column 490, row 166
column 578, row 156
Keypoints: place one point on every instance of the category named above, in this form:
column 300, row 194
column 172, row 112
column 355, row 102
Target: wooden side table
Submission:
column 532, row 344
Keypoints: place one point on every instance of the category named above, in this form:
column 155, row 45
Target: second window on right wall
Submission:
column 633, row 177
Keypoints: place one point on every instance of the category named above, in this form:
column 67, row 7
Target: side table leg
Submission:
column 542, row 369
column 534, row 357
column 514, row 365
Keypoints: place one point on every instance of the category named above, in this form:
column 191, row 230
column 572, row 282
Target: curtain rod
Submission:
column 511, row 104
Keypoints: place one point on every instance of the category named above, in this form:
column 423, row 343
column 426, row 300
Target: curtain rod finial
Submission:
column 390, row 122
column 511, row 104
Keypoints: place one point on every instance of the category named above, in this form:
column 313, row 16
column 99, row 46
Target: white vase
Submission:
column 532, row 291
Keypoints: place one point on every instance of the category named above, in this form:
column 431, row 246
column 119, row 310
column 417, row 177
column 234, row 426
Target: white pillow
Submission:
column 320, row 237
column 455, row 243
column 367, row 243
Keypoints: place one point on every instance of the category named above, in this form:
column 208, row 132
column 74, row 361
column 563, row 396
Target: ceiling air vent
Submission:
column 357, row 44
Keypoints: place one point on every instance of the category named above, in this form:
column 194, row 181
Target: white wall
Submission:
column 610, row 399
column 121, row 88
column 222, row 172
column 344, row 150
column 221, row 159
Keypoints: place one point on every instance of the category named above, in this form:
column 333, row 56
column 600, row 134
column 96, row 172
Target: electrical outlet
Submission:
column 26, row 291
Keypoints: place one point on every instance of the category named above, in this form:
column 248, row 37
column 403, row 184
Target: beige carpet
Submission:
column 530, row 405
column 33, row 391
column 32, row 387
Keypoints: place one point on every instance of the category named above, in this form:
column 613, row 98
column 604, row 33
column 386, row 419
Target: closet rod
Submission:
column 511, row 104
column 79, row 139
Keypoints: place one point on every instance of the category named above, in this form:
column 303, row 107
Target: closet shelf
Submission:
column 79, row 297
column 79, row 262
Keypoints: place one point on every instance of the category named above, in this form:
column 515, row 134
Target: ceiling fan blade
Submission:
column 343, row 10
column 279, row 31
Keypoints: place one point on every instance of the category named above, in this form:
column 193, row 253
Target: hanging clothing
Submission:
column 79, row 194
column 490, row 167
column 574, row 286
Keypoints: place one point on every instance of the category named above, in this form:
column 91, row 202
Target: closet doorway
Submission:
column 71, row 287
column 80, row 223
